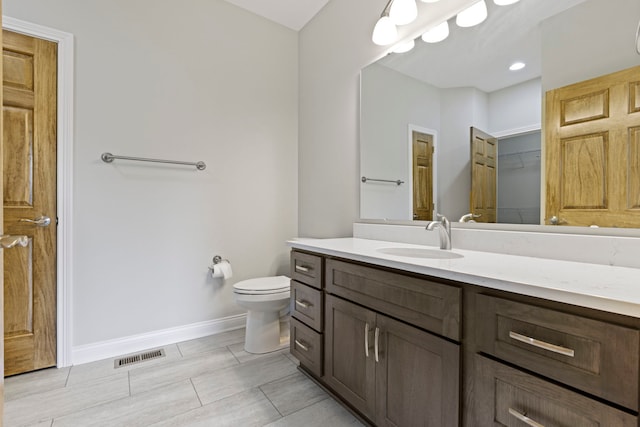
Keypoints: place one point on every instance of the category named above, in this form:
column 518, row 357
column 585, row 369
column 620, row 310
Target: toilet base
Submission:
column 262, row 334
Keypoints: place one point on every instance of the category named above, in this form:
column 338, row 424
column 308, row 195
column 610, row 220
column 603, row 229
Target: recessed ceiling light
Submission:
column 517, row 66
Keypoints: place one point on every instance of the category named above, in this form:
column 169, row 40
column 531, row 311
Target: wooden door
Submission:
column 592, row 152
column 1, row 250
column 348, row 369
column 417, row 377
column 422, row 154
column 29, row 115
column 483, row 176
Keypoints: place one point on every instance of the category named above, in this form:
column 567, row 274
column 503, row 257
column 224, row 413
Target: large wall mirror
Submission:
column 421, row 111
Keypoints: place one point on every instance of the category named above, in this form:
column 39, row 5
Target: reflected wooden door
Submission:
column 422, row 176
column 483, row 176
column 592, row 152
column 1, row 251
column 29, row 160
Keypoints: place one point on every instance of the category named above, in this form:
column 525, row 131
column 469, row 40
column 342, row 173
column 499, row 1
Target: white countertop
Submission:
column 602, row 287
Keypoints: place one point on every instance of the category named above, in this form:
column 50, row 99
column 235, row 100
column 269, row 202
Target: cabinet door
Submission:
column 417, row 377
column 348, row 339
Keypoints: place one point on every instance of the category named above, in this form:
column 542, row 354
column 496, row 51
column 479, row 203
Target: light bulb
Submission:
column 404, row 47
column 403, row 12
column 385, row 32
column 505, row 2
column 473, row 15
column 437, row 34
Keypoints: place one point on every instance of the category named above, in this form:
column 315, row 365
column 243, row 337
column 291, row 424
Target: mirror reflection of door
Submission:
column 422, row 154
column 592, row 148
column 483, row 176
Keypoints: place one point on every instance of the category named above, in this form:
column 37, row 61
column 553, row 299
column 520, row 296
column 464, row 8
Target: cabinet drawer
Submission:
column 306, row 268
column 594, row 356
column 306, row 346
column 307, row 305
column 508, row 397
column 421, row 302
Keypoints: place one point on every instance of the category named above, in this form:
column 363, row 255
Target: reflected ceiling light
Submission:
column 404, row 47
column 437, row 34
column 517, row 66
column 385, row 31
column 403, row 12
column 473, row 15
column 505, row 2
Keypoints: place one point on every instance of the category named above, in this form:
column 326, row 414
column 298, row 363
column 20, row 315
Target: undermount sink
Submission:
column 420, row 253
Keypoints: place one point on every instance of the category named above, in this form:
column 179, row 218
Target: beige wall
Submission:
column 194, row 80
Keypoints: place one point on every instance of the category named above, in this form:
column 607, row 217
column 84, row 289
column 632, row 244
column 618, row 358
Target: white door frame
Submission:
column 64, row 196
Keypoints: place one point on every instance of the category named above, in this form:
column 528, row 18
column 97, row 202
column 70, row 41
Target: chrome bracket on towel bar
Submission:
column 109, row 158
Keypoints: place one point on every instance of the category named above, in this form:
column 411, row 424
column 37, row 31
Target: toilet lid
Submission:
column 262, row 285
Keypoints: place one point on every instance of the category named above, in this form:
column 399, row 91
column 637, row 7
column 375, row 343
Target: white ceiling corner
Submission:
column 291, row 13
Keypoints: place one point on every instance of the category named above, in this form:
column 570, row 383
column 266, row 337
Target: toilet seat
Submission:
column 262, row 286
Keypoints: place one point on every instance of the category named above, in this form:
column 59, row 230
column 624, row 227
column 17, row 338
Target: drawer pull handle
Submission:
column 375, row 343
column 522, row 417
column 302, row 346
column 304, row 304
column 541, row 344
column 366, row 340
column 302, row 268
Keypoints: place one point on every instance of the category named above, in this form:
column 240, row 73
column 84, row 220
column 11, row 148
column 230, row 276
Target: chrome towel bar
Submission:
column 397, row 182
column 108, row 158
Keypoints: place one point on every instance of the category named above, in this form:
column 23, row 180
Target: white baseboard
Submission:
column 121, row 346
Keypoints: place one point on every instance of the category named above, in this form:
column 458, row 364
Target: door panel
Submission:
column 483, row 176
column 1, row 250
column 591, row 152
column 29, row 171
column 422, row 176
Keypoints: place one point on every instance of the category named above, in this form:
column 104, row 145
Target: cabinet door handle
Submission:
column 302, row 268
column 304, row 304
column 366, row 340
column 541, row 344
column 522, row 417
column 375, row 343
column 302, row 346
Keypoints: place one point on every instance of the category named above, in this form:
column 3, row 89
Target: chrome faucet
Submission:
column 470, row 217
column 444, row 227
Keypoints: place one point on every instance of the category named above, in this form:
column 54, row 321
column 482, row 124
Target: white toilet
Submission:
column 263, row 298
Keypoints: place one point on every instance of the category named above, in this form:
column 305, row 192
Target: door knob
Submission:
column 7, row 242
column 41, row 221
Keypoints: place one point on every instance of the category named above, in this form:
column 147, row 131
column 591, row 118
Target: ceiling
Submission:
column 291, row 13
column 480, row 56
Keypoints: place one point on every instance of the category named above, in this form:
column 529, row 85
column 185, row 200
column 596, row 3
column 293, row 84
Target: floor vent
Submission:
column 138, row 358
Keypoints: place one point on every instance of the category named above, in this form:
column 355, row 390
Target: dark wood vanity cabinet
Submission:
column 401, row 349
column 392, row 373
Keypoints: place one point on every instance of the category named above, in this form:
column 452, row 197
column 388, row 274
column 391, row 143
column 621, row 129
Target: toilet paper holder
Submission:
column 221, row 268
column 218, row 259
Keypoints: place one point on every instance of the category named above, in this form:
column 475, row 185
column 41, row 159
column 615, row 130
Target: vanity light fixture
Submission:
column 437, row 33
column 404, row 46
column 505, row 2
column 385, row 31
column 403, row 12
column 517, row 66
column 473, row 15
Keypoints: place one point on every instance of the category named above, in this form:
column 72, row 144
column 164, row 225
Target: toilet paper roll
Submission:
column 221, row 269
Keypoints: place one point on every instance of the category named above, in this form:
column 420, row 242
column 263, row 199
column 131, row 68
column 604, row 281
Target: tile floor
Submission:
column 210, row 381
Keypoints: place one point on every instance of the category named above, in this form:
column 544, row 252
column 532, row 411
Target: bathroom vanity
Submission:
column 409, row 335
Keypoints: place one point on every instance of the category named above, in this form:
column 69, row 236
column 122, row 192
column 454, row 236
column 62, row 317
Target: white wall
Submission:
column 391, row 101
column 603, row 41
column 198, row 80
column 516, row 107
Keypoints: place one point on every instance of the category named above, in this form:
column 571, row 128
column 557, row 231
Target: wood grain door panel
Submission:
column 348, row 369
column 591, row 152
column 422, row 176
column 417, row 377
column 29, row 191
column 483, row 197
